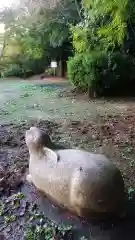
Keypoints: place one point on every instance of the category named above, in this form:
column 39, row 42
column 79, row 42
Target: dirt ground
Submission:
column 113, row 136
column 108, row 129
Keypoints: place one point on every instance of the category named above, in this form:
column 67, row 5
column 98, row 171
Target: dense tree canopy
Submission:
column 106, row 24
column 42, row 34
column 102, row 40
column 38, row 31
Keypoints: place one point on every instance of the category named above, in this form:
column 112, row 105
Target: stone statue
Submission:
column 83, row 182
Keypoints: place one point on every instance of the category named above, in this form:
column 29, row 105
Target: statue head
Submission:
column 36, row 138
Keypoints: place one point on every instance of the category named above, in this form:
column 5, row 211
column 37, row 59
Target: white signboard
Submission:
column 53, row 64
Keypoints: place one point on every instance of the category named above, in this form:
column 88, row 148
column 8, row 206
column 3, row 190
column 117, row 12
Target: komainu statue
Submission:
column 82, row 182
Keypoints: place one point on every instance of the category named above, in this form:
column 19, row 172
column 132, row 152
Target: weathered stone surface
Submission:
column 84, row 182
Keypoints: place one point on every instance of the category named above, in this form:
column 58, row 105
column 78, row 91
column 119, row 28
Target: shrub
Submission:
column 78, row 73
column 33, row 66
column 113, row 74
column 25, row 69
column 13, row 70
column 106, row 73
column 49, row 71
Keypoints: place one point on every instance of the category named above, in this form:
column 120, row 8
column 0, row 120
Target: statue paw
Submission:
column 29, row 178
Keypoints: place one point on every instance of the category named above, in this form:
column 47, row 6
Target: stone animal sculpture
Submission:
column 83, row 182
column 47, row 141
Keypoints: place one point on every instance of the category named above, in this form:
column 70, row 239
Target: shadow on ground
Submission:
column 123, row 229
column 52, row 85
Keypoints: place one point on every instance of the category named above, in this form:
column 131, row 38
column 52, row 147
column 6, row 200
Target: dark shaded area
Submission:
column 109, row 229
column 53, row 86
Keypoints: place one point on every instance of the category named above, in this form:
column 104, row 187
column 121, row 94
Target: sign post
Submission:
column 54, row 66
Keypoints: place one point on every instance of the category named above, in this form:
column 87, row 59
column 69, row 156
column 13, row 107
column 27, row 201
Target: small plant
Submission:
column 83, row 238
column 39, row 233
column 105, row 73
column 49, row 71
column 18, row 196
column 2, row 207
column 78, row 75
column 13, row 70
column 131, row 193
column 64, row 229
column 29, row 234
column 9, row 219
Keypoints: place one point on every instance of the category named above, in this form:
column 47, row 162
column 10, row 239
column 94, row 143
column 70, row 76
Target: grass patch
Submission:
column 22, row 101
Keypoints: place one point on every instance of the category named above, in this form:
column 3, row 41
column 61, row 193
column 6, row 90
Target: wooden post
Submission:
column 54, row 69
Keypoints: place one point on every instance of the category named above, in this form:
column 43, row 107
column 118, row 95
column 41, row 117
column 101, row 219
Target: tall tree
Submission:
column 42, row 34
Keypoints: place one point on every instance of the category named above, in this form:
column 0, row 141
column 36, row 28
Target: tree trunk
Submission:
column 91, row 92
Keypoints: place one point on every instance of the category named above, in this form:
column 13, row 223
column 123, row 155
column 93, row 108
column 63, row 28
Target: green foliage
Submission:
column 113, row 74
column 79, row 72
column 106, row 73
column 131, row 192
column 80, row 41
column 49, row 71
column 81, row 69
column 105, row 26
column 113, row 24
column 39, row 35
column 13, row 70
column 33, row 66
column 101, row 41
column 24, row 68
column 85, row 35
column 114, row 17
column 9, row 219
